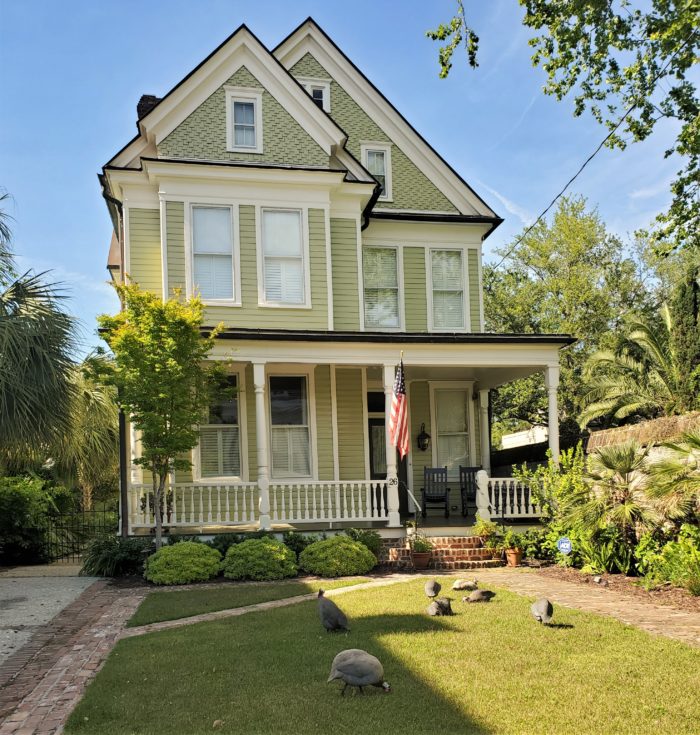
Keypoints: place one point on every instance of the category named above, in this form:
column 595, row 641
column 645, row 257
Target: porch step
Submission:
column 448, row 565
column 455, row 542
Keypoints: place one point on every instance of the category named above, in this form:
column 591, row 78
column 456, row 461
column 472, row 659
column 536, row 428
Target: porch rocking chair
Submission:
column 467, row 487
column 435, row 491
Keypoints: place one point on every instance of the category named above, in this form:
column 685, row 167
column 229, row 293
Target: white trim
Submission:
column 244, row 94
column 293, row 371
column 360, row 289
column 189, row 205
column 325, row 84
column 400, row 288
column 329, row 266
column 385, row 148
column 164, row 249
column 239, row 372
column 467, row 386
column 429, row 288
column 305, row 257
column 334, row 426
column 365, row 422
column 127, row 245
column 480, row 277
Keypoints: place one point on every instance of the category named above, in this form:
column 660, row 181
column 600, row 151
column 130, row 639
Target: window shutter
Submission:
column 219, row 451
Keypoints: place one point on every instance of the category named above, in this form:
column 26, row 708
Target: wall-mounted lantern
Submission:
column 423, row 439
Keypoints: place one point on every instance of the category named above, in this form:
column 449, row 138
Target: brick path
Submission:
column 41, row 684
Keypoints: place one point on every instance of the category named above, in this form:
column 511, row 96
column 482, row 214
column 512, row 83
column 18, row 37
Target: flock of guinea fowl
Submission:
column 357, row 668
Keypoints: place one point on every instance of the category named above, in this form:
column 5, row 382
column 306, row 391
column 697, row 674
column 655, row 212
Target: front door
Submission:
column 377, row 461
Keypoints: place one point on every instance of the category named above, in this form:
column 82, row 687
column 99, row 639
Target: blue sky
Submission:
column 72, row 73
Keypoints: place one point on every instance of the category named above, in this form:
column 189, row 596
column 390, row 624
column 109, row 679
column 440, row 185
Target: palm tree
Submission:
column 37, row 339
column 643, row 377
column 675, row 478
column 615, row 494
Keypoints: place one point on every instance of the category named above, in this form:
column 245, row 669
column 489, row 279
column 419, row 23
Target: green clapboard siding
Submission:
column 477, row 435
column 415, row 298
column 175, row 234
column 411, row 188
column 249, row 398
column 202, row 135
column 474, row 289
column 250, row 314
column 145, row 266
column 419, row 402
column 324, row 426
column 346, row 306
column 351, row 429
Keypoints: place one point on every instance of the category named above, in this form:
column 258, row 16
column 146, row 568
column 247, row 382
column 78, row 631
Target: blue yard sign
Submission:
column 564, row 545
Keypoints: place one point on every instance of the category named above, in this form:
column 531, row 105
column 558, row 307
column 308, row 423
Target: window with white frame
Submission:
column 219, row 437
column 376, row 157
column 212, row 253
column 381, row 287
column 283, row 256
column 319, row 91
column 447, row 274
column 452, row 443
column 289, row 426
column 243, row 120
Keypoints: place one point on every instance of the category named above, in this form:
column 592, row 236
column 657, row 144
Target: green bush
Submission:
column 183, row 563
column 297, row 542
column 339, row 556
column 114, row 556
column 260, row 559
column 25, row 504
column 535, row 544
column 371, row 539
column 678, row 562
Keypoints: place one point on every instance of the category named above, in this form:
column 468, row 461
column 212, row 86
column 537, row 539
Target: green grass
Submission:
column 176, row 604
column 489, row 669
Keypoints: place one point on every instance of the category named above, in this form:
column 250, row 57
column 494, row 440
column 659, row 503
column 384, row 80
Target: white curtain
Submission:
column 283, row 256
column 381, row 287
column 212, row 248
column 448, row 289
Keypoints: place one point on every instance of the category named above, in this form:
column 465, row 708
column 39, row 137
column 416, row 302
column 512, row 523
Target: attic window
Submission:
column 244, row 133
column 317, row 95
column 319, row 90
column 376, row 158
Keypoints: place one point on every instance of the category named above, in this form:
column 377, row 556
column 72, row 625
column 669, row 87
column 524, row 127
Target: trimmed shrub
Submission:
column 224, row 541
column 114, row 556
column 260, row 559
column 366, row 536
column 678, row 562
column 297, row 542
column 183, row 563
column 339, row 556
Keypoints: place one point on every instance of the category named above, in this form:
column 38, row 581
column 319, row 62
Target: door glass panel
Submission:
column 452, row 430
column 378, row 441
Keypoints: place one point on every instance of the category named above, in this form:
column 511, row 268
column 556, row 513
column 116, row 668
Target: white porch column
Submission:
column 392, row 479
column 261, row 441
column 485, row 430
column 135, row 477
column 483, row 507
column 551, row 381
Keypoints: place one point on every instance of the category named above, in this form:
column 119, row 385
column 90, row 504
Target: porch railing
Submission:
column 504, row 497
column 195, row 504
column 351, row 500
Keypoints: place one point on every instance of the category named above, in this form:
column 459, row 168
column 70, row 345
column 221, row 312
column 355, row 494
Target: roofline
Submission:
column 427, row 217
column 309, row 19
column 303, row 335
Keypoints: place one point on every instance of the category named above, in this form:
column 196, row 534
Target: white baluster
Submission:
column 369, row 512
column 336, row 509
column 227, row 490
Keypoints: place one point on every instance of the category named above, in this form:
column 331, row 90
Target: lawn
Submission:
column 175, row 604
column 489, row 669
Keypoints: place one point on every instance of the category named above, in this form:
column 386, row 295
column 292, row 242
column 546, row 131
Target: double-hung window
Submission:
column 447, row 274
column 283, row 257
column 219, row 437
column 376, row 157
column 212, row 253
column 289, row 426
column 244, row 120
column 244, row 124
column 381, row 288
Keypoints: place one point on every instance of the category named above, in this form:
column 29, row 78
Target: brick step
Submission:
column 472, row 555
column 448, row 565
column 399, row 553
column 455, row 542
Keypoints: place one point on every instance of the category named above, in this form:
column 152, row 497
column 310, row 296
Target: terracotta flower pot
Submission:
column 421, row 559
column 514, row 557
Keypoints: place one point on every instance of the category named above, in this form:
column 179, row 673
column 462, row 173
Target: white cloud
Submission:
column 651, row 191
column 521, row 213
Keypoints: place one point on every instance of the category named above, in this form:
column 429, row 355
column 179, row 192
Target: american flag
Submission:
column 398, row 421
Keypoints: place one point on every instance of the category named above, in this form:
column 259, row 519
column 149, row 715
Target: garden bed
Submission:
column 676, row 597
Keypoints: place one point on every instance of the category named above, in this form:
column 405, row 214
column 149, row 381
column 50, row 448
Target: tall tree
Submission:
column 37, row 339
column 685, row 338
column 163, row 380
column 568, row 276
column 630, row 67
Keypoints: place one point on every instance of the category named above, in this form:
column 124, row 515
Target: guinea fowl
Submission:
column 357, row 668
column 465, row 584
column 332, row 617
column 542, row 610
column 440, row 606
column 432, row 588
column 479, row 596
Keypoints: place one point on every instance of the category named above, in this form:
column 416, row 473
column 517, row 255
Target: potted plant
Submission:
column 421, row 551
column 513, row 544
column 485, row 529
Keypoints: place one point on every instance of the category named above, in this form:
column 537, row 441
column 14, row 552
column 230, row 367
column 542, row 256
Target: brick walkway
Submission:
column 41, row 684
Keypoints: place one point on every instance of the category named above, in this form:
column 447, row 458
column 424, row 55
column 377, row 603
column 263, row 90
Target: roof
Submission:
column 646, row 433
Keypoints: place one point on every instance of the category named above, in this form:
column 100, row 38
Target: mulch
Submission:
column 675, row 597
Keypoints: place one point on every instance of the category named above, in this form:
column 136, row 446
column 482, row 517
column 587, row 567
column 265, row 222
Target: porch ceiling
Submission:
column 486, row 377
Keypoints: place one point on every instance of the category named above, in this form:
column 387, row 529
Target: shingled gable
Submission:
column 310, row 38
column 241, row 48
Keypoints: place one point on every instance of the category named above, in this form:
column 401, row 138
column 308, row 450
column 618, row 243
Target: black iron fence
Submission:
column 68, row 534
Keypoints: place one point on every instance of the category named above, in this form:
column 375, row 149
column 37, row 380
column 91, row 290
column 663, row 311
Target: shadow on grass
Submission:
column 558, row 625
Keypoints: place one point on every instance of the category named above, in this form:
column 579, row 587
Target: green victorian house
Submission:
column 328, row 236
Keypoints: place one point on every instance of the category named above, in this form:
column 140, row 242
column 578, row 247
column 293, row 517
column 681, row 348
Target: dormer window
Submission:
column 317, row 95
column 319, row 90
column 244, row 132
column 376, row 158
